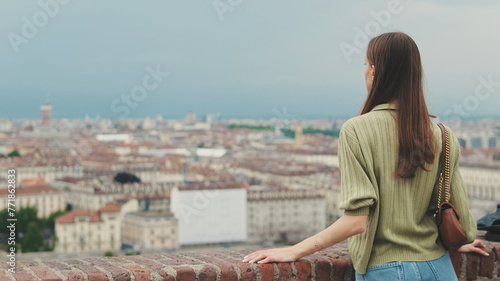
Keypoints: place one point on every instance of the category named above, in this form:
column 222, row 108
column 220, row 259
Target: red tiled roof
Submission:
column 33, row 182
column 213, row 185
column 110, row 208
column 30, row 190
column 72, row 180
column 70, row 216
column 487, row 151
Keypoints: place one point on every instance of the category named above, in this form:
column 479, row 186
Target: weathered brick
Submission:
column 22, row 275
column 340, row 268
column 73, row 275
column 159, row 270
column 207, row 273
column 57, row 265
column 3, row 275
column 456, row 260
column 146, row 262
column 304, row 270
column 92, row 272
column 285, row 271
column 266, row 271
column 226, row 268
column 69, row 273
column 228, row 259
column 140, row 273
column 332, row 262
column 486, row 264
column 185, row 273
column 247, row 272
column 472, row 266
column 117, row 272
column 44, row 273
column 175, row 260
column 323, row 268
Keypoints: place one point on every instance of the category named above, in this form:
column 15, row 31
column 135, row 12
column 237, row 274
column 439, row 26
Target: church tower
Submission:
column 46, row 113
column 299, row 137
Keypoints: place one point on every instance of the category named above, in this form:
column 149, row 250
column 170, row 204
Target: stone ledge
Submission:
column 333, row 263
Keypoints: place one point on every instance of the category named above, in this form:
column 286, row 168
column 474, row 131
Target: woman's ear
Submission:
column 373, row 71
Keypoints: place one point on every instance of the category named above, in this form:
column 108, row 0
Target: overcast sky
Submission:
column 240, row 58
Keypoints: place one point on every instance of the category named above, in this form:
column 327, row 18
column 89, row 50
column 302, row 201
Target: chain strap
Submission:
column 440, row 187
column 447, row 168
column 444, row 175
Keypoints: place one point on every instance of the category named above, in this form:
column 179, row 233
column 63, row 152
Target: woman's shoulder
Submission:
column 367, row 122
column 455, row 147
column 450, row 132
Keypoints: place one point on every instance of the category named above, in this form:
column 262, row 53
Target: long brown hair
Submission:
column 399, row 79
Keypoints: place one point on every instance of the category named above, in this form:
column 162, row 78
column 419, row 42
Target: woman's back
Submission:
column 402, row 225
column 389, row 161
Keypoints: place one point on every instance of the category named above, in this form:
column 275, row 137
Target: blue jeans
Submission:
column 439, row 269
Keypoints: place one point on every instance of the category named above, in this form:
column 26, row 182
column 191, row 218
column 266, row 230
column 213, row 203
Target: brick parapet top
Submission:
column 333, row 263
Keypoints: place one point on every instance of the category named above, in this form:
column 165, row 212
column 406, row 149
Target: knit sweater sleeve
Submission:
column 357, row 191
column 458, row 193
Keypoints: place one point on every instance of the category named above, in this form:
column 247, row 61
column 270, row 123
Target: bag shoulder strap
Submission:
column 444, row 173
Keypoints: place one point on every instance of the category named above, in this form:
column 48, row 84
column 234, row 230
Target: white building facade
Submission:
column 92, row 231
column 45, row 199
column 150, row 231
column 284, row 215
column 482, row 182
column 209, row 215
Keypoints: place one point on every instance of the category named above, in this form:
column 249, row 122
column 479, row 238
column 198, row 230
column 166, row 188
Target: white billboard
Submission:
column 210, row 215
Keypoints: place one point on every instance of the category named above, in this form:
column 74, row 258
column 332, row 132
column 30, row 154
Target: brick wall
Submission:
column 331, row 264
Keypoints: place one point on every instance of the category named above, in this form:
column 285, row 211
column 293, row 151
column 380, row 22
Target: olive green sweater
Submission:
column 401, row 225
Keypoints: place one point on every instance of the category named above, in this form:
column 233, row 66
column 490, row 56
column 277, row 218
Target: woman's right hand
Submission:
column 473, row 247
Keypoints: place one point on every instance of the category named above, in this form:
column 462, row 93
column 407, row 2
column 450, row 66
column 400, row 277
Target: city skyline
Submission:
column 276, row 113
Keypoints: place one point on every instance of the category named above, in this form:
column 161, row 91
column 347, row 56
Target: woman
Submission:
column 389, row 159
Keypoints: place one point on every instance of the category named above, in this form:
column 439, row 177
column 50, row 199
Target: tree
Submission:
column 14, row 153
column 126, row 178
column 51, row 219
column 33, row 240
column 4, row 215
column 25, row 216
column 69, row 207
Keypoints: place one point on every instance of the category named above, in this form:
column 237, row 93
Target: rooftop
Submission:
column 30, row 190
column 70, row 217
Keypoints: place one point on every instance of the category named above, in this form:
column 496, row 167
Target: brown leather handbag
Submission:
column 450, row 232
